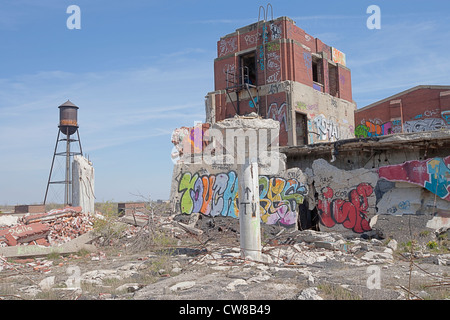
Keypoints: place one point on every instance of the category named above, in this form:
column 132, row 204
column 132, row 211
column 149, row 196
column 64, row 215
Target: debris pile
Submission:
column 51, row 228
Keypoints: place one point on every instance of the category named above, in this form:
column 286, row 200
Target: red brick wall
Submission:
column 286, row 58
column 422, row 109
column 345, row 84
column 293, row 59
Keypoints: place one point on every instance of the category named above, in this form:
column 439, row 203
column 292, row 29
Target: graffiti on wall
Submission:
column 279, row 114
column 273, row 61
column 421, row 125
column 432, row 174
column 338, row 56
column 251, row 39
column 217, row 194
column 326, row 128
column 351, row 213
column 374, row 128
column 227, row 46
column 272, row 46
column 276, row 31
column 193, row 137
column 308, row 63
column 446, row 116
column 307, row 107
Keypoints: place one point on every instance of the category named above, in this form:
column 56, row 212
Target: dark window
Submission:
column 248, row 68
column 301, row 129
column 317, row 70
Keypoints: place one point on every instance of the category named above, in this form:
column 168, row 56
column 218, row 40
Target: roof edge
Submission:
column 403, row 93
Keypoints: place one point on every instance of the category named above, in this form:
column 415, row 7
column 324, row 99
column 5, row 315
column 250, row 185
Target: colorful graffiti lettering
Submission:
column 376, row 128
column 251, row 104
column 217, row 194
column 361, row 131
column 351, row 213
column 446, row 116
column 432, row 174
column 338, row 56
column 373, row 130
column 303, row 106
column 192, row 137
column 272, row 46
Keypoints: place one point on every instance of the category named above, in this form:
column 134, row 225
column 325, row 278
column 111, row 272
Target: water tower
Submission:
column 68, row 126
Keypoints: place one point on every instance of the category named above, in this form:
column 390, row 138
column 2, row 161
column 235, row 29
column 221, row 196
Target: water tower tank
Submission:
column 68, row 123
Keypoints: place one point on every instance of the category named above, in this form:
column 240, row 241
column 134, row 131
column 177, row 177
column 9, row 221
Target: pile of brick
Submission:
column 51, row 228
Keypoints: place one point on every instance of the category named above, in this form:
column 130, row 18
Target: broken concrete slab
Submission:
column 309, row 294
column 182, row 286
column 75, row 245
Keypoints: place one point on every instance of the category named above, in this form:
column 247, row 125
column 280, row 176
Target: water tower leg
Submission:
column 51, row 168
column 249, row 215
column 67, row 182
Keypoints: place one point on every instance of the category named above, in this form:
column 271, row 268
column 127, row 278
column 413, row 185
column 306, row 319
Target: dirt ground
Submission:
column 163, row 261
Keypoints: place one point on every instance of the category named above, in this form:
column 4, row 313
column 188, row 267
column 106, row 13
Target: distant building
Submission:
column 422, row 108
column 279, row 71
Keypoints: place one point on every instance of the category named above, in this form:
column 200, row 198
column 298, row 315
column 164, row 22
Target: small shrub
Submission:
column 106, row 226
column 432, row 245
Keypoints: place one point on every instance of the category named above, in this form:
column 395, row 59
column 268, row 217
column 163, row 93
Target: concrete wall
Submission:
column 83, row 184
column 213, row 191
column 329, row 118
column 347, row 201
column 351, row 200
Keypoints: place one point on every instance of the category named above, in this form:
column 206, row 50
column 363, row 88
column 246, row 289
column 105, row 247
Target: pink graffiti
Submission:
column 432, row 174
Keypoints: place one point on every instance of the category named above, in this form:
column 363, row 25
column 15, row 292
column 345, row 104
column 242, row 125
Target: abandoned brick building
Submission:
column 347, row 166
column 279, row 71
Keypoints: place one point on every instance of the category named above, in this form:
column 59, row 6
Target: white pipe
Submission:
column 249, row 215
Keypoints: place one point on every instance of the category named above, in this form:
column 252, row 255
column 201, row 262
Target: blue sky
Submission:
column 139, row 69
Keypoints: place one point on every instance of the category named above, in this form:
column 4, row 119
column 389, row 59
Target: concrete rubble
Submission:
column 204, row 261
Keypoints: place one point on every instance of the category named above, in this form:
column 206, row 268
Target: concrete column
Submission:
column 249, row 214
column 251, row 143
column 83, row 184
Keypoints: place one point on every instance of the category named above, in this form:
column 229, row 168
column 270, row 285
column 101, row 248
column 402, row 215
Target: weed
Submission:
column 55, row 256
column 106, row 226
column 432, row 245
column 337, row 292
column 424, row 233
